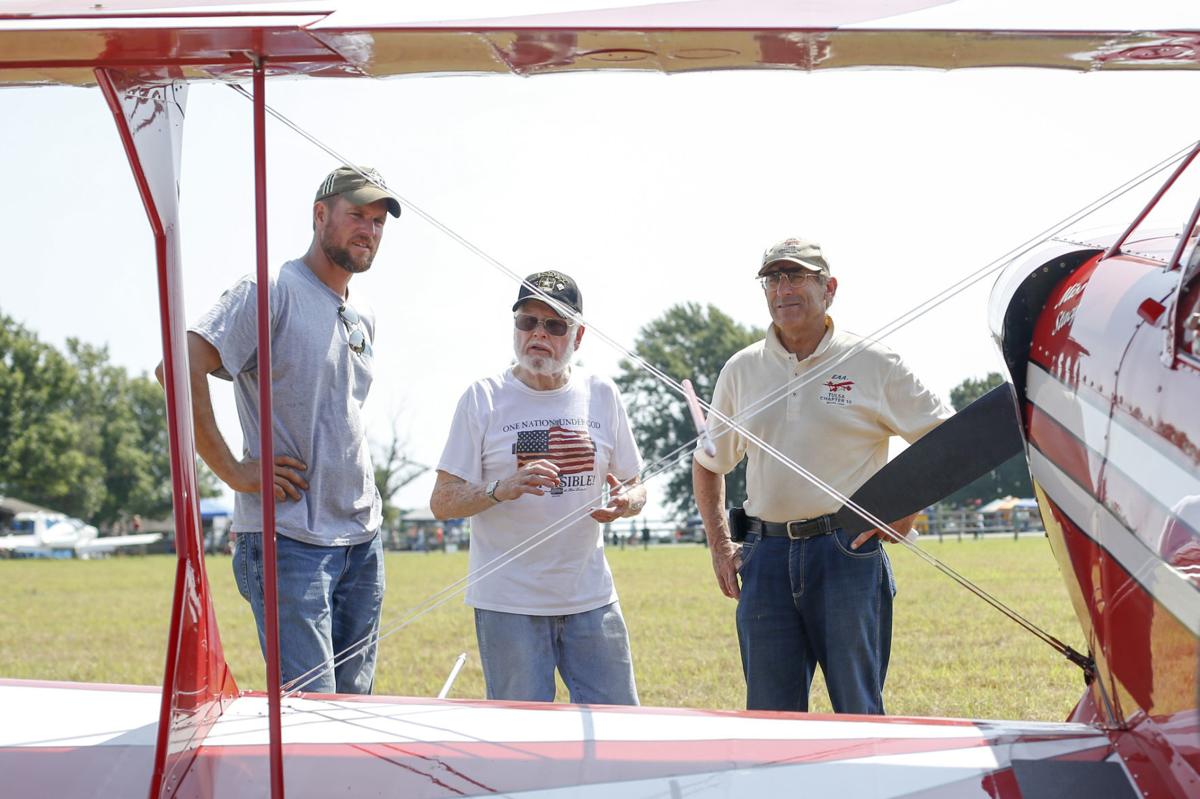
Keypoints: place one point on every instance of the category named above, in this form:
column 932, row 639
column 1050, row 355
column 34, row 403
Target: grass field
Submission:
column 106, row 621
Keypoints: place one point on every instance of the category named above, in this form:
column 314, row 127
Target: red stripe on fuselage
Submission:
column 1164, row 532
column 1061, row 447
column 1148, row 650
column 1138, row 510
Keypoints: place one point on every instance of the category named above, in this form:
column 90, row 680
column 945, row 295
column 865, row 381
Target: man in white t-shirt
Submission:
column 810, row 594
column 531, row 454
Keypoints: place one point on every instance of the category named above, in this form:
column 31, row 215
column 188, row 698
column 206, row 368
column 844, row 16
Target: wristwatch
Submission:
column 491, row 491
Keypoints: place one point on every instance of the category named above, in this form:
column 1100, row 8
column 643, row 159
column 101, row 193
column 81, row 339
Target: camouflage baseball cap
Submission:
column 350, row 183
column 554, row 284
column 798, row 251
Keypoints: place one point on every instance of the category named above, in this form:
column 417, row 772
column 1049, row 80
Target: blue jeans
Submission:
column 815, row 602
column 590, row 649
column 329, row 600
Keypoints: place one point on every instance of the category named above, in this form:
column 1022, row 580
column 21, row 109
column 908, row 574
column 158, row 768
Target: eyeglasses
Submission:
column 790, row 277
column 353, row 323
column 554, row 326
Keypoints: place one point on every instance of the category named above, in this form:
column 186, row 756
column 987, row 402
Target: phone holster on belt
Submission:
column 737, row 525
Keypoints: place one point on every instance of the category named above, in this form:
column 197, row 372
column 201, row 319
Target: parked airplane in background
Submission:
column 45, row 533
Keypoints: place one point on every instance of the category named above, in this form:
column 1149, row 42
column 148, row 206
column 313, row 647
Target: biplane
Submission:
column 1099, row 334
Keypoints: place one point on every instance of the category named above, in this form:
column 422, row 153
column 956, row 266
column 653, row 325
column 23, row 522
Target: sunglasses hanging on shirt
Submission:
column 353, row 323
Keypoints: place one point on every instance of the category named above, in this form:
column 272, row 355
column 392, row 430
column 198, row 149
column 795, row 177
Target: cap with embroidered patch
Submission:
column 360, row 185
column 798, row 251
column 556, row 285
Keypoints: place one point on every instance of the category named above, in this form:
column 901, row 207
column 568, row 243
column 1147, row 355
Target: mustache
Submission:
column 342, row 257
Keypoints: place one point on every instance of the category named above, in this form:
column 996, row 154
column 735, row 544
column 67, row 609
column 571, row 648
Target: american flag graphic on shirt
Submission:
column 572, row 451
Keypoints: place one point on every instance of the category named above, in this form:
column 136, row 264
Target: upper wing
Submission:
column 62, row 42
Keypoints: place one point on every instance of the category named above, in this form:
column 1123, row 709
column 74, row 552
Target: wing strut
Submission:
column 148, row 108
column 266, row 450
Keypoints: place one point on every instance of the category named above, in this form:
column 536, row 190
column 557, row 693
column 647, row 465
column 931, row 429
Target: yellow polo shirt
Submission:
column 836, row 425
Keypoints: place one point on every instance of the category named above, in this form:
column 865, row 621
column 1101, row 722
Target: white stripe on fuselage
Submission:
column 1152, row 463
column 1169, row 586
column 1083, row 413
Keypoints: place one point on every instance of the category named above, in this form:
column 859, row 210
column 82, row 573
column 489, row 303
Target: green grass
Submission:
column 952, row 655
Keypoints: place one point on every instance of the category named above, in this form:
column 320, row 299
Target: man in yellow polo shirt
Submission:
column 809, row 594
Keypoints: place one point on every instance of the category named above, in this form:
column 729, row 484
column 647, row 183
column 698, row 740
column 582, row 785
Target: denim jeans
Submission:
column 329, row 600
column 815, row 602
column 591, row 650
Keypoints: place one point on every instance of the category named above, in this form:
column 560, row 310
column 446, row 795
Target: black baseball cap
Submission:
column 559, row 287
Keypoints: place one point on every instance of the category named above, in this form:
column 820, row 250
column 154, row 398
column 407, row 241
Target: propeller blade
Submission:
column 965, row 447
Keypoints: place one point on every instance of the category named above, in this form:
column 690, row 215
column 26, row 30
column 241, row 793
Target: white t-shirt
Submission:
column 501, row 424
column 836, row 425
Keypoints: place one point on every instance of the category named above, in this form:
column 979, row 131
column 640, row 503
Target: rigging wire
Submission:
column 468, row 580
column 937, row 300
column 734, row 423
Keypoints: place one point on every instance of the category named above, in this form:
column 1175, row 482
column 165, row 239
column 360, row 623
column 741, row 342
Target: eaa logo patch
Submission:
column 837, row 390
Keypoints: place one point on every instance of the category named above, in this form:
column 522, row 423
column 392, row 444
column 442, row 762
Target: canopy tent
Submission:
column 1004, row 503
column 1008, row 503
column 212, row 507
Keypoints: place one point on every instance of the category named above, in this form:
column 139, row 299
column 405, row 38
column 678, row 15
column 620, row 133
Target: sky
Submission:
column 649, row 189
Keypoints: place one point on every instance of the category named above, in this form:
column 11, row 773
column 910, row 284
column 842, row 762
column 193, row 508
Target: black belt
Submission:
column 795, row 529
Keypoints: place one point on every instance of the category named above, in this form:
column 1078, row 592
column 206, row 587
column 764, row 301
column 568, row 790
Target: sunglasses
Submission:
column 353, row 323
column 790, row 277
column 527, row 323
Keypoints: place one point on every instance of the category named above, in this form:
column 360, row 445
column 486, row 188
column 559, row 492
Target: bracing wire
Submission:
column 444, row 595
column 731, row 423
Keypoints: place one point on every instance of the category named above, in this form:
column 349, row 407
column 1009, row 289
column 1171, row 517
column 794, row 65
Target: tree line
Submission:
column 81, row 435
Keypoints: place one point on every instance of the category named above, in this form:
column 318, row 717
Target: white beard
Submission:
column 544, row 364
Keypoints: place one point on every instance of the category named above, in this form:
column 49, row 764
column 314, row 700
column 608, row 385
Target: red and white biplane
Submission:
column 1101, row 338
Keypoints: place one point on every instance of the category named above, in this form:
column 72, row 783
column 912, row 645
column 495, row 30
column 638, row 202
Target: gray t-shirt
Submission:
column 318, row 389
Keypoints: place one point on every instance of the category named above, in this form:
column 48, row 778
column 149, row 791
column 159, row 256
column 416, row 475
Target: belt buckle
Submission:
column 800, row 535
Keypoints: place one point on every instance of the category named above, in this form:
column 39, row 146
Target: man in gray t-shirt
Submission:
column 329, row 554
